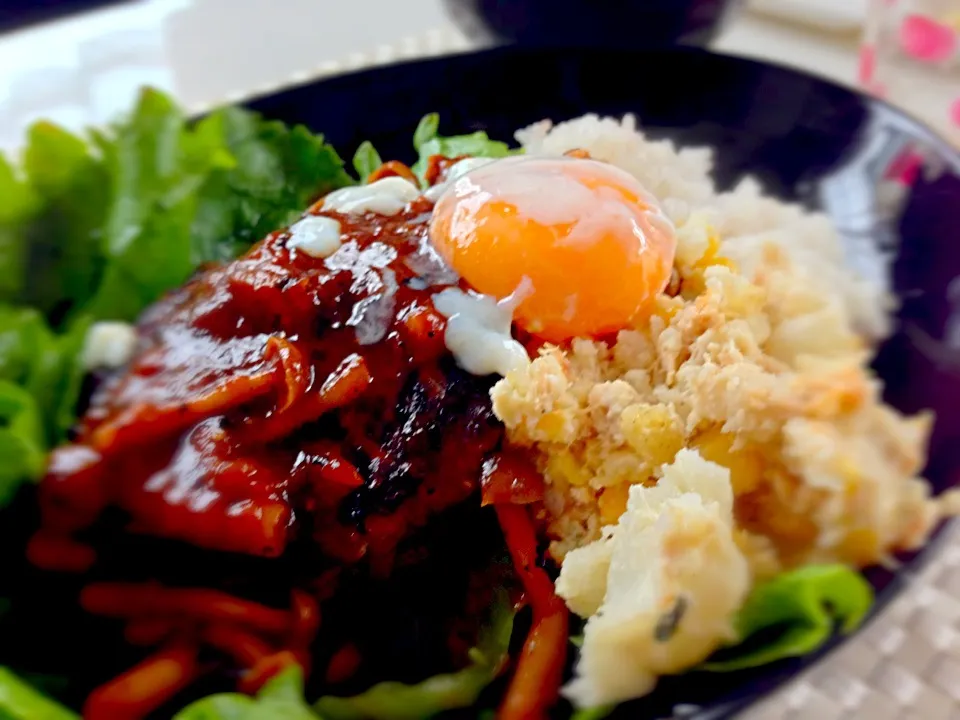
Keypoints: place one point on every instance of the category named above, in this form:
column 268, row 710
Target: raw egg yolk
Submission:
column 580, row 245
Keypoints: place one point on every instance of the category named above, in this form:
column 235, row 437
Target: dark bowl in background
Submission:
column 15, row 14
column 625, row 24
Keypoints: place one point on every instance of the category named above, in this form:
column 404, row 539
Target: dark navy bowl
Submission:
column 806, row 139
column 640, row 24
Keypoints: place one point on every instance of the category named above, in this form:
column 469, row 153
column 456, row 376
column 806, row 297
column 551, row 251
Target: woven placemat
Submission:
column 906, row 662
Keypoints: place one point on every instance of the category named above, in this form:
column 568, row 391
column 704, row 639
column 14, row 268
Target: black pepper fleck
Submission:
column 669, row 622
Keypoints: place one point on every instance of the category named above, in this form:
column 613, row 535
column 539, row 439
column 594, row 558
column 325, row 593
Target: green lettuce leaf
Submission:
column 398, row 701
column 366, row 160
column 427, row 143
column 25, row 361
column 62, row 413
column 156, row 167
column 98, row 227
column 41, row 374
column 19, row 701
column 22, row 333
column 427, row 130
column 280, row 699
column 55, row 373
column 50, row 233
column 22, row 443
column 795, row 614
column 594, row 713
column 277, row 173
column 104, row 226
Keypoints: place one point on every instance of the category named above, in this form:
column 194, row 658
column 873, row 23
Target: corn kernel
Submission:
column 653, row 431
column 562, row 465
column 613, row 503
column 860, row 547
column 790, row 530
column 850, row 472
column 745, row 465
column 552, row 425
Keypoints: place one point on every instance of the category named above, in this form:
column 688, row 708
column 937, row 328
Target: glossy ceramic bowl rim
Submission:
column 941, row 144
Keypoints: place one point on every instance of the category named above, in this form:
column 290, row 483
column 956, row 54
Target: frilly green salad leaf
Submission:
column 278, row 171
column 795, row 614
column 98, row 229
column 22, row 445
column 185, row 194
column 594, row 713
column 427, row 142
column 426, row 130
column 398, row 701
column 103, row 227
column 366, row 160
column 280, row 699
column 40, row 379
column 19, row 701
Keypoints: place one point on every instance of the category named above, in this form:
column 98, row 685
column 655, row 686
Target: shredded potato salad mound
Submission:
column 735, row 432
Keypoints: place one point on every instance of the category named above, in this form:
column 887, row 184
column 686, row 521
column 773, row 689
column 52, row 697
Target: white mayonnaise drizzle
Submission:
column 478, row 331
column 387, row 196
column 315, row 235
column 109, row 345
